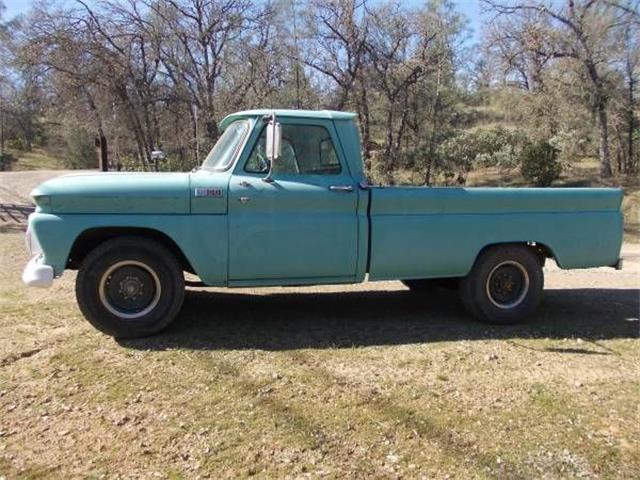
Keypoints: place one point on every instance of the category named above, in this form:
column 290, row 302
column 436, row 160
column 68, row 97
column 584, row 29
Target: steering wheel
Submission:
column 263, row 162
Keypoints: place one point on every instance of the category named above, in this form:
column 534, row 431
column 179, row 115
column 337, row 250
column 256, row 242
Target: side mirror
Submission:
column 274, row 137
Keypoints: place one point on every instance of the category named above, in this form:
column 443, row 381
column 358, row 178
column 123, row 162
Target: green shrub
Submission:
column 540, row 164
column 81, row 151
column 16, row 144
column 573, row 145
column 129, row 163
column 492, row 147
column 177, row 163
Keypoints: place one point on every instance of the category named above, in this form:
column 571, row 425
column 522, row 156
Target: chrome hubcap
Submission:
column 507, row 284
column 129, row 289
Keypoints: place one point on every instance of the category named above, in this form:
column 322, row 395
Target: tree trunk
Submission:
column 342, row 99
column 434, row 130
column 101, row 140
column 211, row 127
column 28, row 136
column 603, row 132
column 193, row 113
column 389, row 155
column 144, row 149
column 365, row 128
column 403, row 122
column 621, row 159
column 628, row 167
column 600, row 104
column 101, row 152
column 1, row 131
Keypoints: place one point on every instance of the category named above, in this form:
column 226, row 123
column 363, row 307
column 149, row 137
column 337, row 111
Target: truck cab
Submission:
column 315, row 193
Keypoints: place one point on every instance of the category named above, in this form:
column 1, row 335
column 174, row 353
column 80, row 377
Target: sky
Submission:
column 15, row 7
column 470, row 8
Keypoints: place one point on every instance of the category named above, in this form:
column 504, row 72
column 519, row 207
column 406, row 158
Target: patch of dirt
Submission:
column 16, row 186
column 15, row 202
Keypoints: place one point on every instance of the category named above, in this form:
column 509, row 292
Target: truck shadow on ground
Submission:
column 283, row 321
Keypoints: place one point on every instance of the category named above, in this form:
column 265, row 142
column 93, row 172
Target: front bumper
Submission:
column 37, row 274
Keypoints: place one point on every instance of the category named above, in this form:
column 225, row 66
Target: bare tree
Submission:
column 522, row 46
column 149, row 74
column 197, row 51
column 336, row 43
column 581, row 30
column 631, row 61
column 400, row 56
column 336, row 47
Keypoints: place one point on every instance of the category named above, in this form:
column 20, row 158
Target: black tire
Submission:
column 504, row 286
column 148, row 296
column 426, row 285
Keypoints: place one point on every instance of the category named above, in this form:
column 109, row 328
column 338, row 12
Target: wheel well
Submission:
column 90, row 239
column 541, row 250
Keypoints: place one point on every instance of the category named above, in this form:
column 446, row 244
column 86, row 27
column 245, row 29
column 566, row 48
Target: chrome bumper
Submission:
column 37, row 274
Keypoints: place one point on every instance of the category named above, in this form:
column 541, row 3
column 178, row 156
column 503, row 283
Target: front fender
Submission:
column 202, row 238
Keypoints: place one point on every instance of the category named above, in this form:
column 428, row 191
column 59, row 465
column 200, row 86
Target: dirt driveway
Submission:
column 320, row 382
column 15, row 203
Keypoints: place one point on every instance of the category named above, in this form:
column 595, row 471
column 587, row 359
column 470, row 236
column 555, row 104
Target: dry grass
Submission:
column 37, row 159
column 366, row 381
column 360, row 381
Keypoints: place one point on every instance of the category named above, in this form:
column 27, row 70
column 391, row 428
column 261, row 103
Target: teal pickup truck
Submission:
column 282, row 199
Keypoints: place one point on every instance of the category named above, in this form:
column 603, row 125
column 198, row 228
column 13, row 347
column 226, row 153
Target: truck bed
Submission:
column 438, row 232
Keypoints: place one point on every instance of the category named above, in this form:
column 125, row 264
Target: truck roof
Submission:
column 320, row 114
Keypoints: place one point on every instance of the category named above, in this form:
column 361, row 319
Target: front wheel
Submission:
column 130, row 287
column 504, row 286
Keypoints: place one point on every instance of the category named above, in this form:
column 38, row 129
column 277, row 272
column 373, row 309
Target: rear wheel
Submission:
column 504, row 286
column 130, row 287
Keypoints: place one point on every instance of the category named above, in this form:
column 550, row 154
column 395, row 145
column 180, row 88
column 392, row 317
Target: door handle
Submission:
column 243, row 200
column 341, row 188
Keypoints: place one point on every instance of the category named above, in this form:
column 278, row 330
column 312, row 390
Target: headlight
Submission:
column 42, row 200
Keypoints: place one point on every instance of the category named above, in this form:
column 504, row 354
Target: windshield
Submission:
column 223, row 152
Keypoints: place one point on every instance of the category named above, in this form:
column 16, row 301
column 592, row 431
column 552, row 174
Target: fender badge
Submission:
column 208, row 192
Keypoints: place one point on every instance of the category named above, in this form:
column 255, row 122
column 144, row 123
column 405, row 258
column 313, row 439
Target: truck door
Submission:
column 303, row 225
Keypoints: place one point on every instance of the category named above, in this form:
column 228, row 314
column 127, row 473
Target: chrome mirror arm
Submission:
column 272, row 143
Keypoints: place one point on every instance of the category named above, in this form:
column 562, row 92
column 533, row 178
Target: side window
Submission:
column 306, row 150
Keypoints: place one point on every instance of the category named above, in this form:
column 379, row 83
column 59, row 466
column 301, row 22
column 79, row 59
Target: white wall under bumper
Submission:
column 37, row 274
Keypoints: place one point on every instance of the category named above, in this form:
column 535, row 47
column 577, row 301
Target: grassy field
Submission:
column 366, row 381
column 38, row 159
